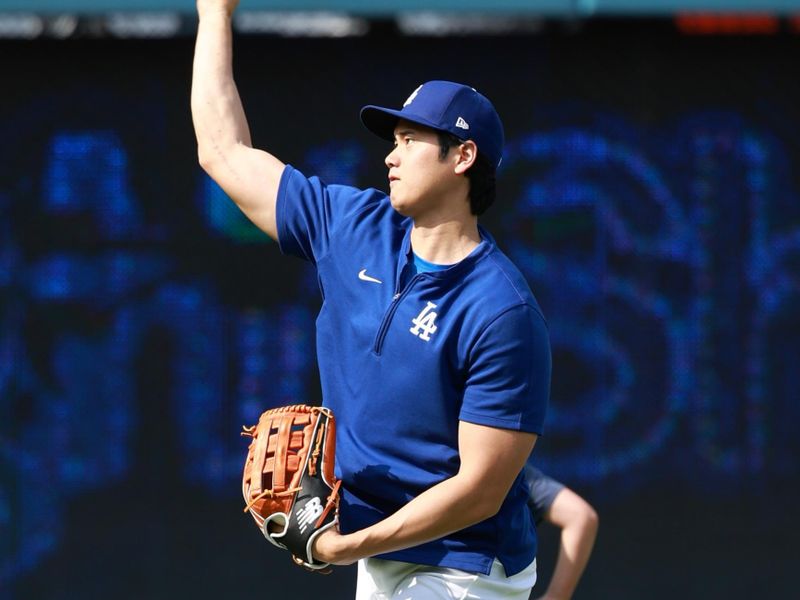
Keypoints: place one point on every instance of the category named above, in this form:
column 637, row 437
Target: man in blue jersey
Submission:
column 433, row 353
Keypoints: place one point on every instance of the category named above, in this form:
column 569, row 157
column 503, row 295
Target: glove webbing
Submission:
column 270, row 494
column 312, row 466
column 312, row 470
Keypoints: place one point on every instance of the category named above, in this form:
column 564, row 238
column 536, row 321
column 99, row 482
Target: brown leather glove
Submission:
column 288, row 481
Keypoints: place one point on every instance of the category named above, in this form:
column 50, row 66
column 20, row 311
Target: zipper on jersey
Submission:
column 387, row 318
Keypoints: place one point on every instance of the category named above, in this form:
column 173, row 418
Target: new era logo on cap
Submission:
column 445, row 106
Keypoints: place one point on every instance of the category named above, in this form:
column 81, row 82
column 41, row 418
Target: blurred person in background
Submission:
column 552, row 502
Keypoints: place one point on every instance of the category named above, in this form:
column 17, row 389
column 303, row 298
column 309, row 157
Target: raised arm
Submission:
column 249, row 176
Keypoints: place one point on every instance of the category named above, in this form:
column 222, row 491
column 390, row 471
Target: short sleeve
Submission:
column 542, row 492
column 309, row 212
column 508, row 379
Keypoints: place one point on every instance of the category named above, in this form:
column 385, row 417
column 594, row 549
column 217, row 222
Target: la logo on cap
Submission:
column 412, row 96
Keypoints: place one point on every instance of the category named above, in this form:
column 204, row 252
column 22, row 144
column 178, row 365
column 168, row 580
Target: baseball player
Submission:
column 552, row 502
column 432, row 350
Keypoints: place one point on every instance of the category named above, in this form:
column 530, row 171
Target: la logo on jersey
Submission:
column 425, row 323
column 306, row 515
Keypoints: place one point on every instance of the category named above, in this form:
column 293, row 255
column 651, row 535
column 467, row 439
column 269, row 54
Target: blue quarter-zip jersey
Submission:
column 403, row 359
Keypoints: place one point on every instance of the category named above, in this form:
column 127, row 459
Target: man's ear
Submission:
column 465, row 155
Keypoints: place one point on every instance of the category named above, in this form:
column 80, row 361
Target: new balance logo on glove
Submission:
column 306, row 515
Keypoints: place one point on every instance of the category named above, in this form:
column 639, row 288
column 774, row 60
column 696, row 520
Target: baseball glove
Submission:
column 288, row 481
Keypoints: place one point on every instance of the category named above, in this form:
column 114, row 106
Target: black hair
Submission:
column 481, row 175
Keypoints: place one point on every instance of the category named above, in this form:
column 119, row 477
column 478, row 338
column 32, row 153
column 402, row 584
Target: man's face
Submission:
column 418, row 179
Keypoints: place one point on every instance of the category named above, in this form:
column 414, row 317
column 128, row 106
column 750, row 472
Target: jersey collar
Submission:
column 485, row 247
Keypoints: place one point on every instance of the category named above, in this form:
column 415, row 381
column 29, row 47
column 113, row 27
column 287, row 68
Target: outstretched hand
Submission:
column 209, row 6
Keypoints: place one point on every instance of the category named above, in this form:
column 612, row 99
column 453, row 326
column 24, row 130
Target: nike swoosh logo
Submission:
column 362, row 275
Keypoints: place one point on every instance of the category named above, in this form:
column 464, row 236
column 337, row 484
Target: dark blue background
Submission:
column 649, row 193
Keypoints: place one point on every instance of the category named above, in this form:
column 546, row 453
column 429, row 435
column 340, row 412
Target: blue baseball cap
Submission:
column 446, row 106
